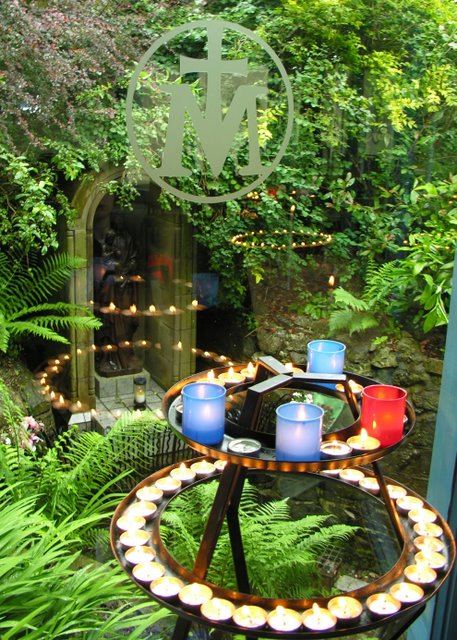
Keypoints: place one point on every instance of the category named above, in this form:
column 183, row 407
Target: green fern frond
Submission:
column 346, row 299
column 31, row 328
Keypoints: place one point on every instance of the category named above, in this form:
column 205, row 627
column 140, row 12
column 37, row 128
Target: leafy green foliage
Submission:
column 22, row 291
column 45, row 595
column 286, row 569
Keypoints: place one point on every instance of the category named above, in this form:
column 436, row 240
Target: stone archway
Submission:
column 170, row 337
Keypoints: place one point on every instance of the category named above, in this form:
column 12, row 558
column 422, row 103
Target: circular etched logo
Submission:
column 209, row 111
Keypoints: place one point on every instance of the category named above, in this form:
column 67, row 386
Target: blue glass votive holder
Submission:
column 203, row 412
column 325, row 356
column 298, row 431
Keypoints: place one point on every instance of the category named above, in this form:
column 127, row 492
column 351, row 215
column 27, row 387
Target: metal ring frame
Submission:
column 226, row 505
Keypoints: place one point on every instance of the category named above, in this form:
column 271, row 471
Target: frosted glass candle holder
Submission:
column 298, row 431
column 325, row 356
column 383, row 412
column 203, row 412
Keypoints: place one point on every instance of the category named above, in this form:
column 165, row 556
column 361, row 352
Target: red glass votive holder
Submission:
column 383, row 412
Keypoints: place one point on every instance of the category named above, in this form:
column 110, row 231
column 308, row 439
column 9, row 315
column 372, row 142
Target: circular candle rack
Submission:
column 231, row 465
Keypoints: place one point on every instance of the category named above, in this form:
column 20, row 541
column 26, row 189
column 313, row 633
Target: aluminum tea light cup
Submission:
column 139, row 554
column 194, row 595
column 166, row 587
column 134, row 538
column 250, row 616
column 283, row 619
column 429, row 543
column 408, row 503
column 432, row 559
column 381, row 605
column 217, row 609
column 130, row 522
column 150, row 493
column 168, row 485
column 143, row 508
column 318, row 619
column 346, row 609
column 430, row 529
column 407, row 592
column 148, row 571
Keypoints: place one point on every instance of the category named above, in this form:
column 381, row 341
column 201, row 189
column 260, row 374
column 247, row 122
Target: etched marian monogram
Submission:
column 220, row 128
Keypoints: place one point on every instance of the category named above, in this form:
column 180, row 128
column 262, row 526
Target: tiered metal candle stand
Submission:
column 232, row 461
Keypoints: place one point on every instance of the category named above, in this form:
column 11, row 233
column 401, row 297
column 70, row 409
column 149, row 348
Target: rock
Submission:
column 384, row 358
column 433, row 366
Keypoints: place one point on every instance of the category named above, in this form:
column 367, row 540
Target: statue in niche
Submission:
column 115, row 264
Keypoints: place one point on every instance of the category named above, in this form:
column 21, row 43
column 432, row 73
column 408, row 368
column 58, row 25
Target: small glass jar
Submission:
column 139, row 393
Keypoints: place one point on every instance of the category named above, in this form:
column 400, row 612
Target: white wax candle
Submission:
column 407, row 503
column 168, row 485
column 282, row 619
column 148, row 571
column 345, row 608
column 383, row 604
column 195, row 594
column 406, row 592
column 250, row 616
column 139, row 554
column 428, row 529
column 134, row 538
column 217, row 609
column 351, row 475
column 318, row 619
column 183, row 473
column 203, row 468
column 149, row 493
column 130, row 522
column 166, row 587
column 422, row 515
column 143, row 508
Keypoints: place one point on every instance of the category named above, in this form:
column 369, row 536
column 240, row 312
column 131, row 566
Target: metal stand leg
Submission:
column 393, row 515
column 226, row 503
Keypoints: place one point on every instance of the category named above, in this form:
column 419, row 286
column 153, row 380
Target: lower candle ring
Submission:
column 265, row 630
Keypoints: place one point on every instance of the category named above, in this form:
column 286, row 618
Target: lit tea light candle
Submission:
column 249, row 371
column 420, row 574
column 290, row 367
column 217, row 609
column 250, row 616
column 109, row 348
column 143, row 344
column 407, row 503
column 354, row 476
column 220, row 465
column 331, row 281
column 432, row 559
column 143, row 508
column 111, row 308
column 355, row 387
column 363, row 442
column 196, row 306
column 370, row 484
column 79, row 407
column 346, row 609
column 406, row 592
column 79, row 351
column 195, row 594
column 383, row 604
column 318, row 619
column 61, row 404
column 139, row 554
column 173, row 311
column 395, row 491
column 131, row 311
column 231, row 377
column 150, row 493
column 152, row 310
column 168, row 485
column 183, row 473
column 203, row 468
column 148, row 571
column 428, row 529
column 134, row 538
column 335, row 449
column 282, row 619
column 422, row 515
column 210, row 377
column 166, row 587
column 177, row 346
column 429, row 543
column 130, row 522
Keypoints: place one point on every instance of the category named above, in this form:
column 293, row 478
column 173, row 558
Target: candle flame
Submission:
column 172, row 309
column 66, row 356
column 316, row 609
column 230, row 371
column 109, row 347
column 143, row 343
column 245, row 610
column 363, row 435
column 375, row 426
column 93, row 347
column 53, row 395
column 79, row 352
column 112, row 306
column 61, row 400
column 179, row 346
column 195, row 303
column 250, row 368
column 56, row 361
column 210, row 374
column 78, row 404
column 152, row 308
column 43, row 380
column 331, row 281
column 133, row 308
column 182, row 466
column 280, row 610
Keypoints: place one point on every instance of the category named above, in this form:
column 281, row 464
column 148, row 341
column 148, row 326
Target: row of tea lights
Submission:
column 342, row 610
column 134, row 311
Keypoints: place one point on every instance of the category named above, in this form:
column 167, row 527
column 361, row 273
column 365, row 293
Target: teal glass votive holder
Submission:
column 298, row 432
column 203, row 417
